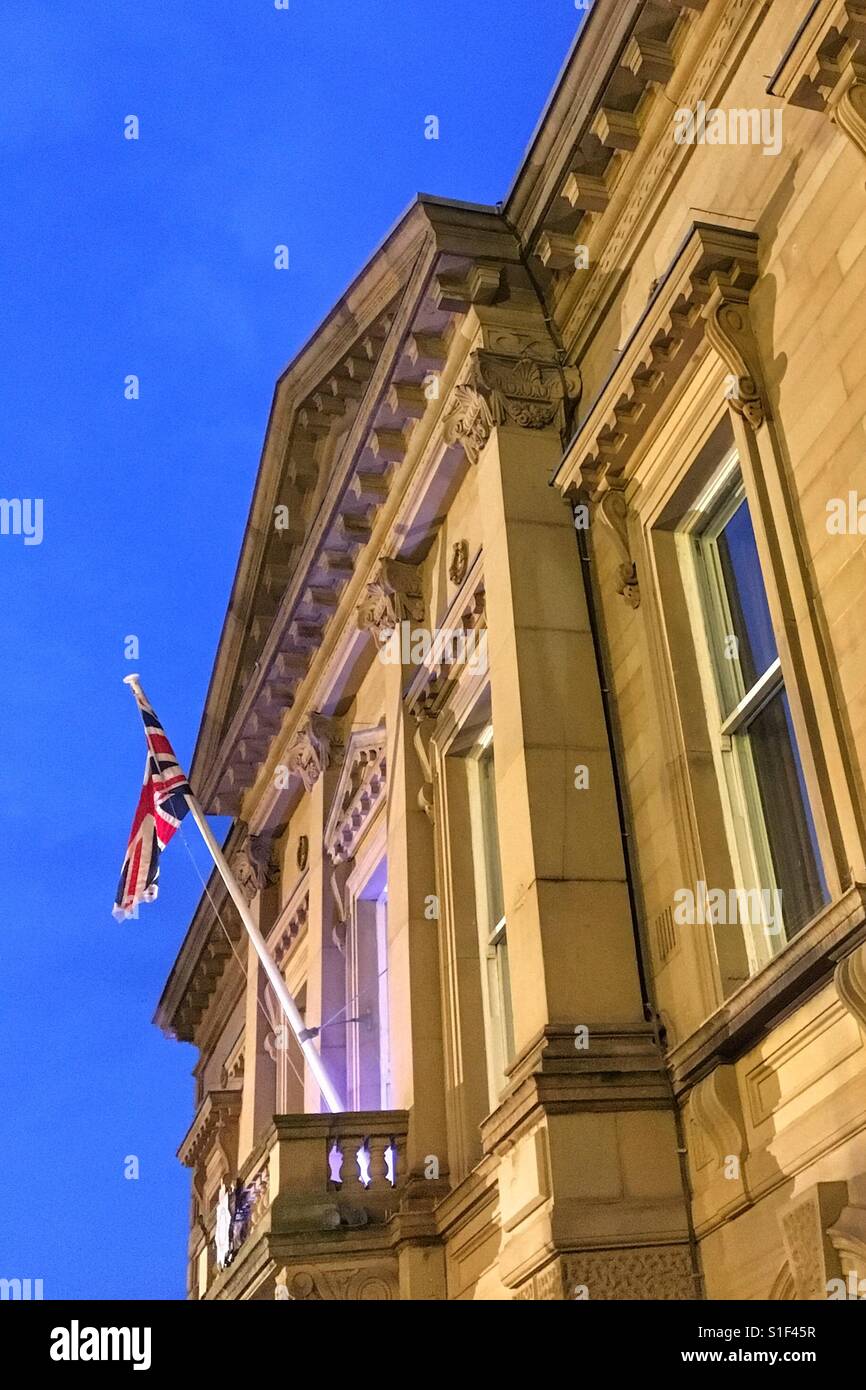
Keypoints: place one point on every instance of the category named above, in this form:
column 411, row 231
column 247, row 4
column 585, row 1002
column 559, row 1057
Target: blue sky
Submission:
column 258, row 127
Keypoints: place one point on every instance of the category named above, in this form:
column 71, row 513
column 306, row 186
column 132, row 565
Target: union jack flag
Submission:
column 161, row 808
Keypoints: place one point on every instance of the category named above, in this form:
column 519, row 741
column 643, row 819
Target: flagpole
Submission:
column 290, row 1009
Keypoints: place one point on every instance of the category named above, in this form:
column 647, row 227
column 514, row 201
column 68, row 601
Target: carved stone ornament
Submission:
column 523, row 390
column 310, row 752
column 467, row 421
column 812, row 1259
column 337, row 879
column 360, row 792
column 663, row 1272
column 850, row 982
column 716, row 1108
column 316, row 1283
column 459, row 562
column 730, row 334
column 393, row 596
column 507, row 388
column 613, row 511
column 255, row 865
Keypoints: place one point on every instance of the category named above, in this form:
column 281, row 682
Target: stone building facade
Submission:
column 540, row 712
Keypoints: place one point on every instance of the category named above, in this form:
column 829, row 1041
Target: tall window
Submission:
column 496, row 986
column 775, row 848
column 369, row 1059
column 288, row 1057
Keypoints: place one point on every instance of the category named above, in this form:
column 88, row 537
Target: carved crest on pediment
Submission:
column 459, row 562
column 359, row 793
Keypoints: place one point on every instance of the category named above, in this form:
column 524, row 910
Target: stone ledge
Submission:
column 621, row 1070
column 806, row 964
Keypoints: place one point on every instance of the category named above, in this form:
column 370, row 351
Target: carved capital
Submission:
column 729, row 331
column 393, row 596
column 524, row 390
column 255, row 865
column 612, row 509
column 309, row 754
column 507, row 388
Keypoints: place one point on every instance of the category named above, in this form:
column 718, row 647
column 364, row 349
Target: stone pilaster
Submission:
column 585, row 1135
column 326, row 964
column 417, row 1053
column 259, row 1088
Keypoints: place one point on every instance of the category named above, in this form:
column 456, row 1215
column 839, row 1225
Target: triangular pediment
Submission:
column 344, row 415
column 360, row 792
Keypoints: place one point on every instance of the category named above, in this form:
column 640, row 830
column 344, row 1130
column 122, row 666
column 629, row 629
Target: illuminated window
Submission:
column 774, row 844
column 496, row 985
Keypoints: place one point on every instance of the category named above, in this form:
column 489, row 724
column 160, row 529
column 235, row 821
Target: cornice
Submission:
column 291, row 924
column 444, row 284
column 807, row 963
column 705, row 291
column 218, row 1113
column 824, row 68
column 625, row 55
column 608, row 205
column 203, row 956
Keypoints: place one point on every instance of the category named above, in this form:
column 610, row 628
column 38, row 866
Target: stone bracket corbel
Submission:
column 422, row 750
column 393, row 596
column 824, row 68
column 612, row 510
column 848, row 111
column 337, row 879
column 729, row 332
column 849, row 979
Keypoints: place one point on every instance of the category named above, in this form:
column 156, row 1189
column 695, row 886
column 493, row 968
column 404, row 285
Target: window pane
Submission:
column 747, row 598
column 788, row 820
column 505, row 1000
column 490, row 829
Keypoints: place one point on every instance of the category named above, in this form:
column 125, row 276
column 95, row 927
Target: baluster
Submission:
column 378, row 1166
column 348, row 1147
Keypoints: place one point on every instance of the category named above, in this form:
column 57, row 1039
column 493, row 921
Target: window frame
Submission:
column 492, row 926
column 730, row 707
